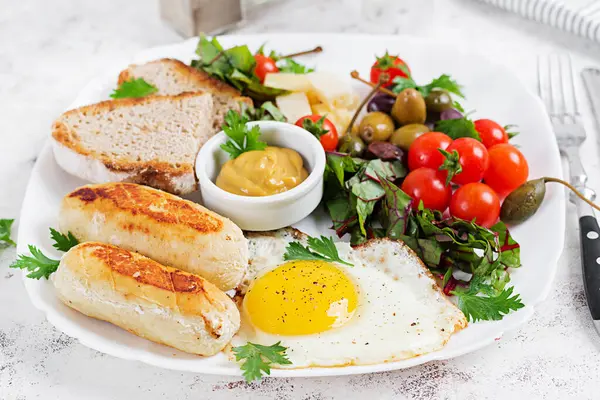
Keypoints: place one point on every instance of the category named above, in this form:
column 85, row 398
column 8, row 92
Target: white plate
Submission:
column 491, row 89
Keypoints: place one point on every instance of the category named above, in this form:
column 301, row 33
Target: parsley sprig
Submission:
column 5, row 229
column 38, row 264
column 322, row 248
column 482, row 301
column 258, row 359
column 442, row 82
column 63, row 242
column 133, row 88
column 457, row 128
column 241, row 137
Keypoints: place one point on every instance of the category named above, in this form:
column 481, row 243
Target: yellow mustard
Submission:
column 262, row 172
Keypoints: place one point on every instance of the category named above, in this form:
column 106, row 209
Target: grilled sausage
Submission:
column 159, row 225
column 159, row 303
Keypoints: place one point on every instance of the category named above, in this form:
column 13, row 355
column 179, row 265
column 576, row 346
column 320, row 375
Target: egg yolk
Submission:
column 301, row 298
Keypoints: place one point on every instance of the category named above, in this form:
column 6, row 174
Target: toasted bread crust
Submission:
column 202, row 79
column 135, row 199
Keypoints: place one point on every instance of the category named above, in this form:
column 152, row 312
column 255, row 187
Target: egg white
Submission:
column 401, row 313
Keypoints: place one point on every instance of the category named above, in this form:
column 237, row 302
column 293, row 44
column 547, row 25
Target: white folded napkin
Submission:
column 581, row 17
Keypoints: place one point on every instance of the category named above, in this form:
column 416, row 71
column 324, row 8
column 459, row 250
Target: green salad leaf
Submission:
column 364, row 200
column 234, row 66
column 266, row 112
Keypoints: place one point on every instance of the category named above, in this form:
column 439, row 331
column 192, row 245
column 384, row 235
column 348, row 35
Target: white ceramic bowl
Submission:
column 267, row 212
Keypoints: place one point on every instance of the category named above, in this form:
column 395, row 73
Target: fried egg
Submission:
column 386, row 307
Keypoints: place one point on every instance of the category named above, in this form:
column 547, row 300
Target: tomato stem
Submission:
column 317, row 49
column 568, row 185
column 356, row 76
column 362, row 104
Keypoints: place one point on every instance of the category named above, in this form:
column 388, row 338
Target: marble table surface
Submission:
column 50, row 49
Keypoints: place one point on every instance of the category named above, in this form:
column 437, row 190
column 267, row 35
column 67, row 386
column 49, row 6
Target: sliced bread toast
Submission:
column 151, row 141
column 173, row 77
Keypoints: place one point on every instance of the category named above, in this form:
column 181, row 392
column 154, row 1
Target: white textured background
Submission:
column 50, row 49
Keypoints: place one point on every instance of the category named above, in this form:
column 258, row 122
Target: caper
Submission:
column 352, row 145
column 376, row 127
column 438, row 100
column 523, row 202
column 404, row 136
column 409, row 107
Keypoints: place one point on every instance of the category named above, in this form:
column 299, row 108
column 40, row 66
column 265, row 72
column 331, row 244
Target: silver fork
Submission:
column 556, row 86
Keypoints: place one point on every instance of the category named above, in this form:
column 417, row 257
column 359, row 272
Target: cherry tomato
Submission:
column 491, row 133
column 322, row 128
column 264, row 65
column 476, row 201
column 508, row 169
column 473, row 158
column 423, row 152
column 388, row 65
column 427, row 185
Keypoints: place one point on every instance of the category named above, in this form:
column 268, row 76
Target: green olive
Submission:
column 438, row 100
column 409, row 107
column 376, row 126
column 404, row 136
column 352, row 145
column 523, row 202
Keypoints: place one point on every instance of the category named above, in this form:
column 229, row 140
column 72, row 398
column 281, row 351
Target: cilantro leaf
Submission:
column 63, row 242
column 457, row 128
column 323, row 248
column 5, row 229
column 241, row 138
column 489, row 306
column 38, row 264
column 258, row 359
column 133, row 88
